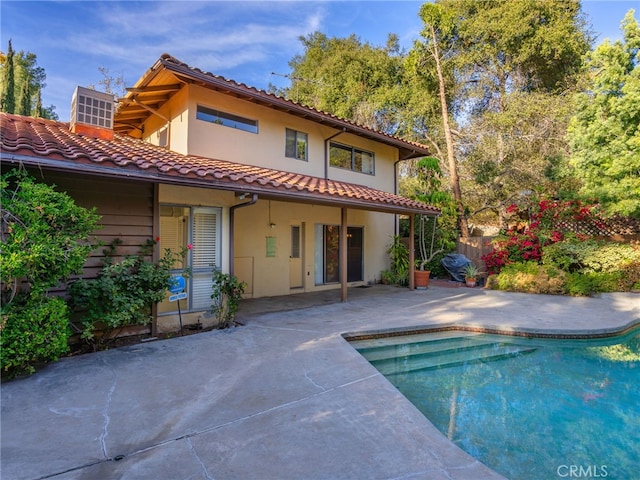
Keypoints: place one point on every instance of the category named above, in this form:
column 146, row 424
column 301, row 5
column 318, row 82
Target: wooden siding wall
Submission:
column 126, row 208
column 474, row 248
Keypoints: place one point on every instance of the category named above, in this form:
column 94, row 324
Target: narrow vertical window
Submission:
column 295, row 241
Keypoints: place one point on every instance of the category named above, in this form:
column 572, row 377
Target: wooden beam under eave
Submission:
column 158, row 88
column 343, row 255
column 412, row 252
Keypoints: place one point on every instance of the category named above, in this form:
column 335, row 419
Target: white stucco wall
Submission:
column 271, row 274
column 188, row 135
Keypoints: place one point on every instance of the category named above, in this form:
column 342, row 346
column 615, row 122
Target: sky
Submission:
column 249, row 42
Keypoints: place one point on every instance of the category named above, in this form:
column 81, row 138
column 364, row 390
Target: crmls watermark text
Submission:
column 581, row 471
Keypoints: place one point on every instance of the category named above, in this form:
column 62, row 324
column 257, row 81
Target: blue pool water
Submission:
column 529, row 408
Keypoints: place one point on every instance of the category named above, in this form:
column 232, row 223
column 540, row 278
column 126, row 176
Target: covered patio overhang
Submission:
column 345, row 205
column 338, row 195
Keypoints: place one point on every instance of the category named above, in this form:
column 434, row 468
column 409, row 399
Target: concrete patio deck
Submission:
column 282, row 397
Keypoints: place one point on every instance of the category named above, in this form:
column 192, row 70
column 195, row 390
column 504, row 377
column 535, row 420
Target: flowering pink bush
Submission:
column 545, row 222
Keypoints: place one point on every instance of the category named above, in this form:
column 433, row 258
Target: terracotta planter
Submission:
column 471, row 282
column 421, row 278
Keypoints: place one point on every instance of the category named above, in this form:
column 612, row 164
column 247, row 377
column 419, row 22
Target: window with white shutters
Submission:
column 205, row 238
column 205, row 255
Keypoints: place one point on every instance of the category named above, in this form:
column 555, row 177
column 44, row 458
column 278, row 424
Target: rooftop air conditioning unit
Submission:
column 92, row 113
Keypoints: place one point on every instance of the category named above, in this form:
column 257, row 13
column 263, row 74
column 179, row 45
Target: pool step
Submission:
column 451, row 357
column 427, row 347
column 445, row 335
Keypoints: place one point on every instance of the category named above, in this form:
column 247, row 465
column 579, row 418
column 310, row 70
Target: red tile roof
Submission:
column 155, row 88
column 50, row 144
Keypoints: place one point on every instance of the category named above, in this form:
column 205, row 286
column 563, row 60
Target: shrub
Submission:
column 592, row 265
column 35, row 329
column 547, row 222
column 44, row 235
column 590, row 283
column 387, row 277
column 529, row 277
column 606, row 266
column 510, row 248
column 435, row 265
column 44, row 241
column 121, row 295
column 399, row 254
column 569, row 255
column 630, row 276
column 226, row 296
column 609, row 257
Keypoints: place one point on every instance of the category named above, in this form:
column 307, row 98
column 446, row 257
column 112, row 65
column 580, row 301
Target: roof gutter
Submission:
column 232, row 210
column 326, row 151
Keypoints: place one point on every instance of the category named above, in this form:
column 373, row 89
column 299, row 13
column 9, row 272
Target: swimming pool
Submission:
column 529, row 408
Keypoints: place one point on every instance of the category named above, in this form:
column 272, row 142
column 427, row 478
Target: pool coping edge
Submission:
column 494, row 330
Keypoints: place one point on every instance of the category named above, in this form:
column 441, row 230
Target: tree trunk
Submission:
column 453, row 167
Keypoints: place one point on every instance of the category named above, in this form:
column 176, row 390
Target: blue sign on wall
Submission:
column 176, row 283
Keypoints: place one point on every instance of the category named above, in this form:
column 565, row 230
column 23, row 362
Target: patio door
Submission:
column 355, row 261
column 327, row 263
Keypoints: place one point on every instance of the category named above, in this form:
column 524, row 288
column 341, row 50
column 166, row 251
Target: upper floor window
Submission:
column 226, row 119
column 297, row 145
column 351, row 158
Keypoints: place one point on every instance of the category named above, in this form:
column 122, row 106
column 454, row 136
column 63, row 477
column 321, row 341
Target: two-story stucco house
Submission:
column 287, row 198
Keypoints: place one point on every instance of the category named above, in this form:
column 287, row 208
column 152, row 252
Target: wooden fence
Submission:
column 474, row 248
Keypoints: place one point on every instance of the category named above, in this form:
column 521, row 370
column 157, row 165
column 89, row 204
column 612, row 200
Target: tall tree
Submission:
column 24, row 106
column 22, row 80
column 605, row 132
column 439, row 36
column 517, row 45
column 516, row 152
column 497, row 54
column 350, row 79
column 9, row 94
column 39, row 113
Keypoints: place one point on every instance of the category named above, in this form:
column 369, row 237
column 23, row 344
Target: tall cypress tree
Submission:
column 24, row 107
column 39, row 113
column 22, row 84
column 10, row 94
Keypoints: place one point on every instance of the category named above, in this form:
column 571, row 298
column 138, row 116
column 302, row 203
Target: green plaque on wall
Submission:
column 271, row 246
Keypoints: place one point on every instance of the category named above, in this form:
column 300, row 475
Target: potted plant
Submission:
column 421, row 276
column 471, row 275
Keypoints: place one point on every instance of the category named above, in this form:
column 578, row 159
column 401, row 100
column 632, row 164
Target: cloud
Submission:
column 222, row 32
column 243, row 41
